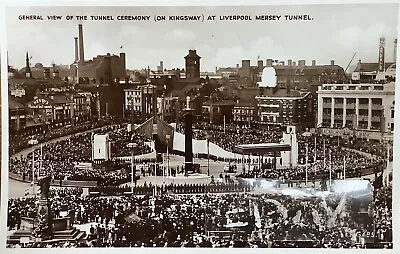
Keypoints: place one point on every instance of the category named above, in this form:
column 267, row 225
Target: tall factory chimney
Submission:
column 81, row 46
column 395, row 51
column 76, row 50
column 382, row 54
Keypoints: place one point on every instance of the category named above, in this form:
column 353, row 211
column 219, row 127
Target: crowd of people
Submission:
column 149, row 189
column 164, row 219
column 121, row 140
column 62, row 158
column 258, row 220
column 383, row 213
column 20, row 141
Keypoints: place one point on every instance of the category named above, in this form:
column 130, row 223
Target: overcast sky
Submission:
column 337, row 32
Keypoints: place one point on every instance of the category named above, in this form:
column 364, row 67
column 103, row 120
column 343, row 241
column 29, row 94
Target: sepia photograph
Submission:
column 201, row 127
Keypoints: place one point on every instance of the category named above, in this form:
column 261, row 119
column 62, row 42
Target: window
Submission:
column 392, row 113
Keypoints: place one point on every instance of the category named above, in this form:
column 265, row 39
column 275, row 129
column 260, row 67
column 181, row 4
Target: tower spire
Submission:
column 28, row 72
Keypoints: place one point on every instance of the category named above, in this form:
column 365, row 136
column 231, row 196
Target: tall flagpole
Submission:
column 386, row 180
column 324, row 156
column 41, row 160
column 306, row 164
column 33, row 172
column 330, row 169
column 315, row 152
column 344, row 167
column 224, row 124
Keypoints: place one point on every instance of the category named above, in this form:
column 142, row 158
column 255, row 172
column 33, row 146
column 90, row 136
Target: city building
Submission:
column 218, row 112
column 244, row 113
column 103, row 69
column 368, row 72
column 140, row 101
column 277, row 106
column 192, row 63
column 301, row 75
column 366, row 107
column 17, row 116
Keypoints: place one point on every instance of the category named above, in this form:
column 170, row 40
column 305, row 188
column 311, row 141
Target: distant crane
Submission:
column 350, row 62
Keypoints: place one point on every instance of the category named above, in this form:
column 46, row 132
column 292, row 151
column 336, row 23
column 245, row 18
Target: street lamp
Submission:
column 133, row 171
column 168, row 138
column 208, row 155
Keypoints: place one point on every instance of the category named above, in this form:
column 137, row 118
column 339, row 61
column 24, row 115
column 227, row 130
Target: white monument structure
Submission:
column 290, row 158
column 101, row 150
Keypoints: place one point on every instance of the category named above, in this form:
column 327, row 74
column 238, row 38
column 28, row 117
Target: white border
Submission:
column 4, row 116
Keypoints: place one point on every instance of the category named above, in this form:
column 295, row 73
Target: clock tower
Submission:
column 192, row 65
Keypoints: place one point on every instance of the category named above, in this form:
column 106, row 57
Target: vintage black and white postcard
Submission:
column 200, row 127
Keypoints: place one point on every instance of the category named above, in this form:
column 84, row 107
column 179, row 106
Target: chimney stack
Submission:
column 314, row 63
column 395, row 51
column 289, row 62
column 76, row 50
column 332, row 62
column 382, row 54
column 260, row 64
column 294, row 63
column 269, row 62
column 81, row 46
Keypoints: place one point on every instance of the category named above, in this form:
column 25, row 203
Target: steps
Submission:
column 17, row 235
column 69, row 235
column 73, row 235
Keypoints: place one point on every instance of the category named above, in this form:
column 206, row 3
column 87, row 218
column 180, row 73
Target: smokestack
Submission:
column 122, row 59
column 289, row 62
column 332, row 62
column 76, row 50
column 382, row 54
column 260, row 64
column 314, row 62
column 395, row 51
column 81, row 46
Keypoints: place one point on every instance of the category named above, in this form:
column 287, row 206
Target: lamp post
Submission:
column 168, row 138
column 132, row 146
column 208, row 155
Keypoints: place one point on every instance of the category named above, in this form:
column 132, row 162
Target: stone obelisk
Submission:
column 188, row 137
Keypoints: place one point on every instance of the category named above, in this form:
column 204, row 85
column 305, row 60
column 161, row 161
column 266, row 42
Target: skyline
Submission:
column 336, row 33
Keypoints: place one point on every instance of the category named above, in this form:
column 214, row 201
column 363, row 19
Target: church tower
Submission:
column 28, row 72
column 192, row 65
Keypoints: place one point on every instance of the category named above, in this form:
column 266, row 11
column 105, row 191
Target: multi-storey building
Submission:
column 244, row 113
column 17, row 115
column 357, row 106
column 141, row 100
column 283, row 107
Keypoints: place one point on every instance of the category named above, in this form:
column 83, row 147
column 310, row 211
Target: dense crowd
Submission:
column 21, row 141
column 232, row 135
column 62, row 158
column 121, row 138
column 383, row 213
column 149, row 189
column 257, row 220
